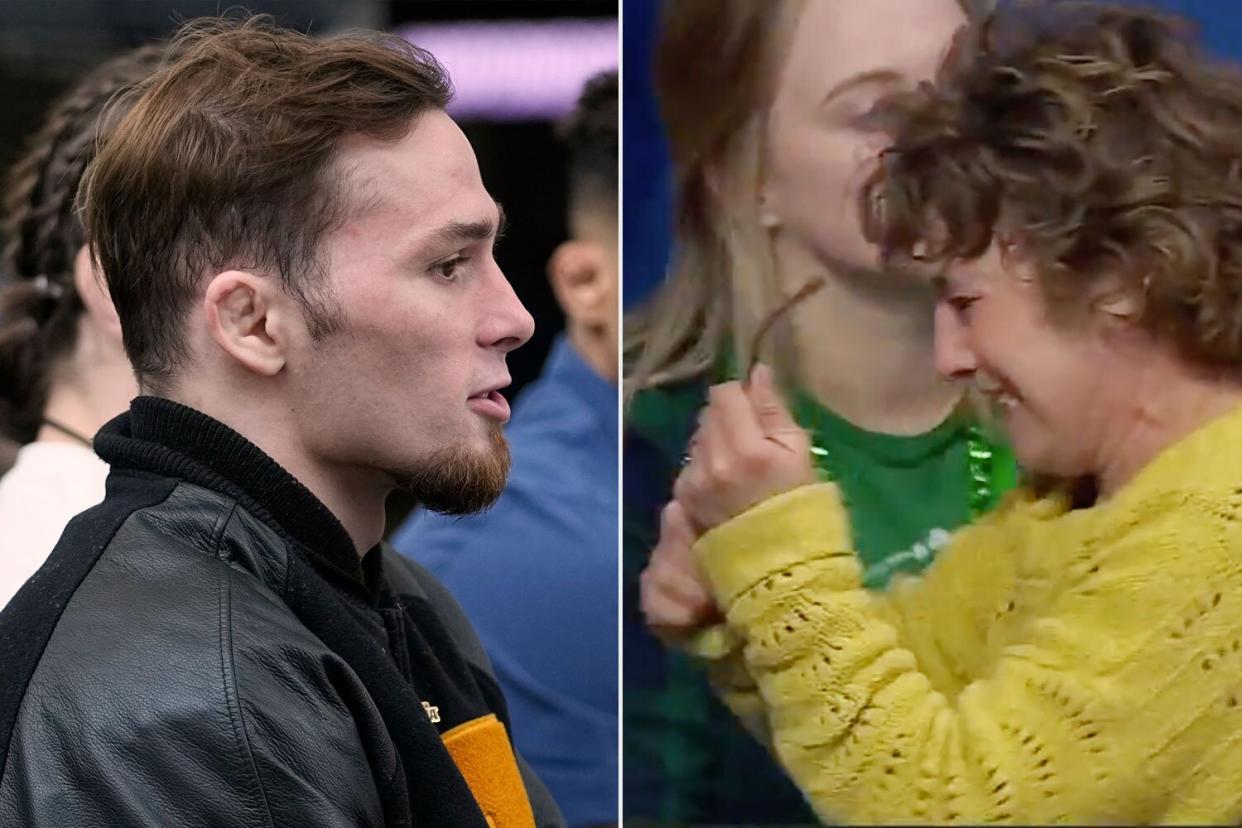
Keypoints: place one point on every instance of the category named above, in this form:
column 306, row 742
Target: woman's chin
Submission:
column 1033, row 447
column 1042, row 455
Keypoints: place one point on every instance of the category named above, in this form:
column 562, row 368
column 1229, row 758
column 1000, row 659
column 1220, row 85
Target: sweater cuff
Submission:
column 800, row 525
column 712, row 643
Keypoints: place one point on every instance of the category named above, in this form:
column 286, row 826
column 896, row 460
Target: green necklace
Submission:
column 980, row 464
column 980, row 459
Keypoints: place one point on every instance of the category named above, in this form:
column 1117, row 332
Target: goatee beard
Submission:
column 460, row 481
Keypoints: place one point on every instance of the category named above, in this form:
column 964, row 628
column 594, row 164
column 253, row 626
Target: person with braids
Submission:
column 766, row 182
column 300, row 249
column 63, row 371
column 554, row 529
column 1072, row 186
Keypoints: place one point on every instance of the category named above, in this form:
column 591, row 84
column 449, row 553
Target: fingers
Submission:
column 733, row 412
column 740, row 447
column 767, row 403
column 676, row 527
column 747, row 448
column 671, row 599
column 674, row 597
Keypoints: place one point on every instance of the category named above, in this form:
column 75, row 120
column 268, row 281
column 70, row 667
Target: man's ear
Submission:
column 89, row 282
column 245, row 321
column 577, row 273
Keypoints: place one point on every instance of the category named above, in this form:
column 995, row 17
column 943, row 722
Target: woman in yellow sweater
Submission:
column 1073, row 182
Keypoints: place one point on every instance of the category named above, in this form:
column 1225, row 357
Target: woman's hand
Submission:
column 675, row 597
column 748, row 448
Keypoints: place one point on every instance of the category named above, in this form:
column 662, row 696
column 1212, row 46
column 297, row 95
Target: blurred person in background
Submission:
column 299, row 247
column 537, row 573
column 1072, row 186
column 63, row 371
column 768, row 177
column 8, row 453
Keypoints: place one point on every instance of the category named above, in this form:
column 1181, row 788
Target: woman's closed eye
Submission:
column 873, row 118
column 960, row 303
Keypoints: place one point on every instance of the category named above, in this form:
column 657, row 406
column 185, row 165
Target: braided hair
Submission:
column 41, row 233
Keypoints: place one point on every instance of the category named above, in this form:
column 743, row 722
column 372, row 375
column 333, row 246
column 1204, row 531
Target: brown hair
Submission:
column 226, row 160
column 1103, row 143
column 39, row 305
column 716, row 64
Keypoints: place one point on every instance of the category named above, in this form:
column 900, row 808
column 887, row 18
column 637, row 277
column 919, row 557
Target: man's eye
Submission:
column 449, row 269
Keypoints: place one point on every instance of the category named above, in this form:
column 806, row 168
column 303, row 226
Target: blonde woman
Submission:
column 768, row 177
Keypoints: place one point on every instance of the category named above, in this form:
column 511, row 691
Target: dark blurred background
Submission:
column 517, row 66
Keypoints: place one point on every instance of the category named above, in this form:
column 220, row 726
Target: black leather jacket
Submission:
column 162, row 668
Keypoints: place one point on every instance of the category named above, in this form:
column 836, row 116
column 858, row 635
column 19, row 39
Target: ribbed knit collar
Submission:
column 166, row 438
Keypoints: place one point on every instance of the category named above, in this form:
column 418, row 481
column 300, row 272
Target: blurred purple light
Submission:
column 518, row 70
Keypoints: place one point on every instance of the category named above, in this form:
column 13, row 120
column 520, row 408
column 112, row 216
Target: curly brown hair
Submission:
column 1103, row 142
column 39, row 306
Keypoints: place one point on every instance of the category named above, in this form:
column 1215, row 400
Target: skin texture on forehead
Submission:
column 407, row 199
column 834, row 43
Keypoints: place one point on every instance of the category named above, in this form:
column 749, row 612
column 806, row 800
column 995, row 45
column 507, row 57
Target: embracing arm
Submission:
column 1090, row 716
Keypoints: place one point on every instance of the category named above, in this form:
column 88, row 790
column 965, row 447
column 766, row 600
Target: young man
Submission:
column 299, row 248
column 553, row 531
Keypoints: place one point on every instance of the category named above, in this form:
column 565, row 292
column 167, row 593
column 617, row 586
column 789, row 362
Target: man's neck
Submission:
column 865, row 351
column 354, row 496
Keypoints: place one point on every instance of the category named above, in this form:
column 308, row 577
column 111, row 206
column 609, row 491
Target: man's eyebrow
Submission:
column 941, row 283
column 456, row 232
column 875, row 76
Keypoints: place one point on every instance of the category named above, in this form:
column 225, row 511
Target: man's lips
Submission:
column 490, row 404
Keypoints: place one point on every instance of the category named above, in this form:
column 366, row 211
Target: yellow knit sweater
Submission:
column 1052, row 666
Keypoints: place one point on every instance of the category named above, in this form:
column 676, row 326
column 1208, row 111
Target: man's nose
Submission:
column 508, row 324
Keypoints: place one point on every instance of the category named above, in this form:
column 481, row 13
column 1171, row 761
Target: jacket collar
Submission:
column 166, row 438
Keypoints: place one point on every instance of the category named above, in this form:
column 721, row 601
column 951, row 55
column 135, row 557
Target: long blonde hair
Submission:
column 716, row 67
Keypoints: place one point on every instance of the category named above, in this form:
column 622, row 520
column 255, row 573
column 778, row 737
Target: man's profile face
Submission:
column 408, row 387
